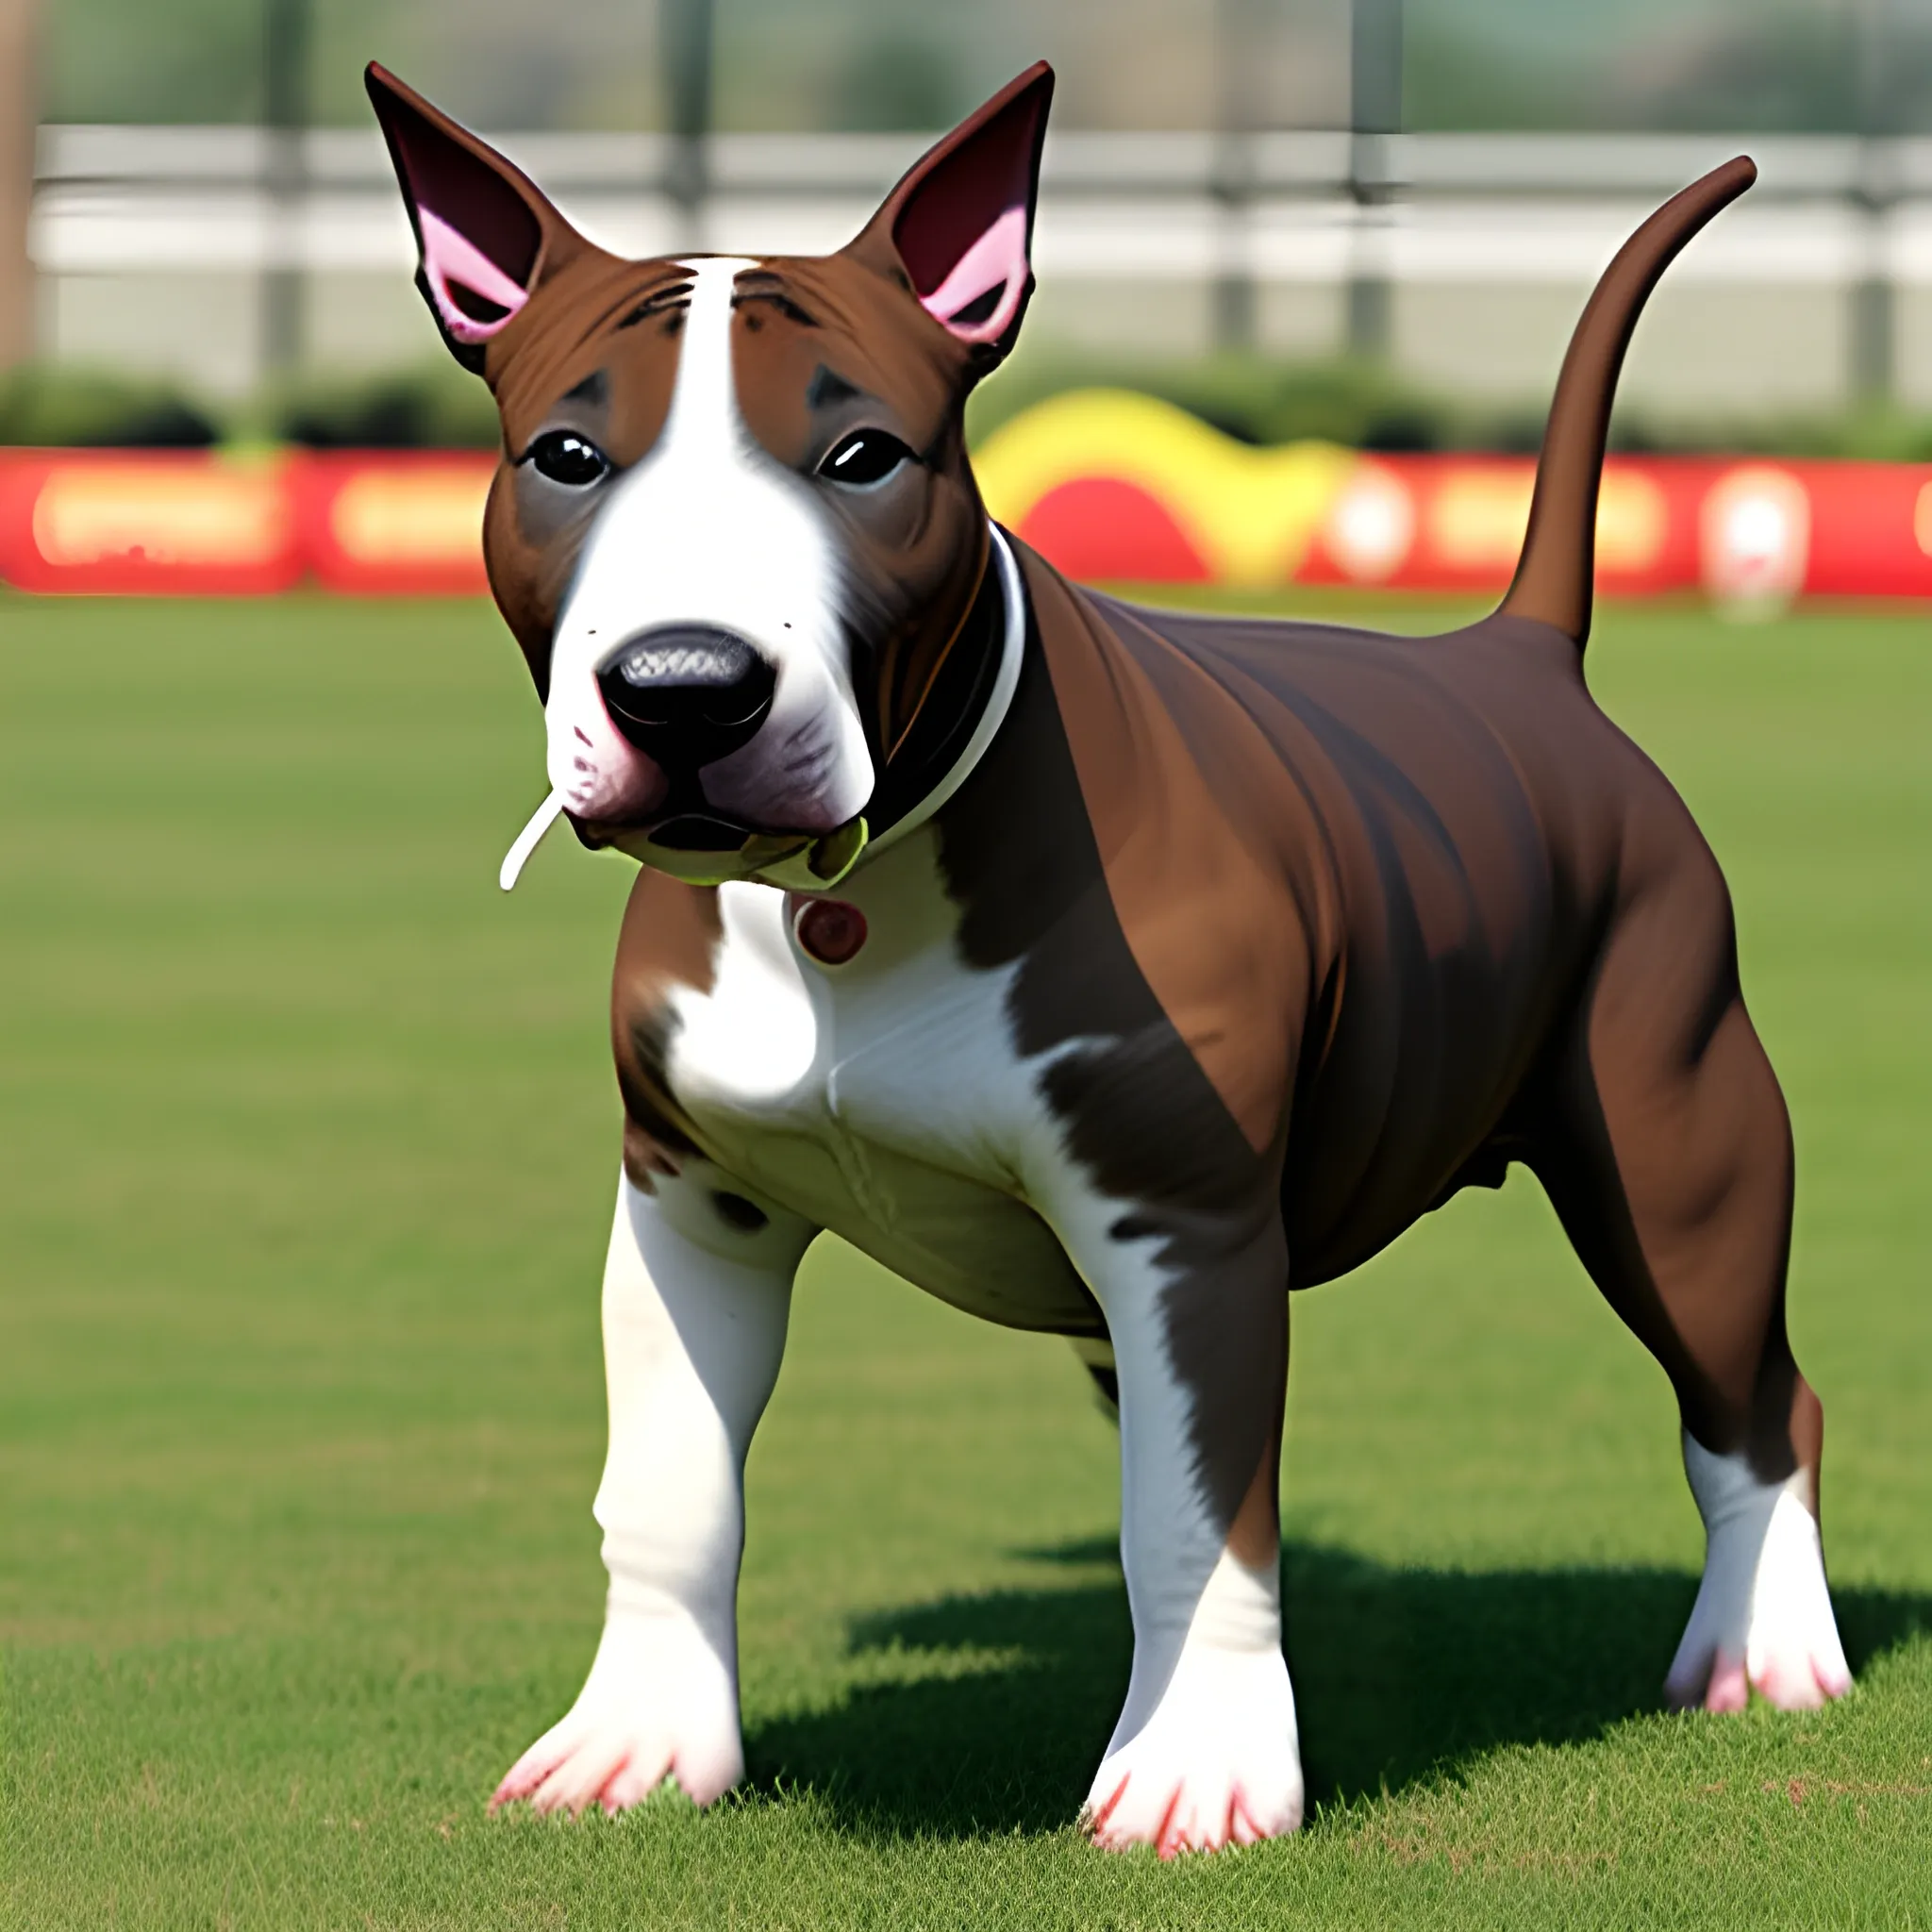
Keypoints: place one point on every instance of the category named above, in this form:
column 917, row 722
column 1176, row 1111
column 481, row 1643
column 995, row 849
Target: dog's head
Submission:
column 734, row 528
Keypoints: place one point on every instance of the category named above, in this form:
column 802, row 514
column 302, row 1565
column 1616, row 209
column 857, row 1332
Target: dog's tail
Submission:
column 1553, row 573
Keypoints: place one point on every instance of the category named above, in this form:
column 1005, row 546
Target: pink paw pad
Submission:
column 1729, row 1689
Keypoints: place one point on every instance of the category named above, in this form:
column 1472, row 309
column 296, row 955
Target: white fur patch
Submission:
column 1763, row 1616
column 707, row 529
column 817, row 1084
column 1215, row 1762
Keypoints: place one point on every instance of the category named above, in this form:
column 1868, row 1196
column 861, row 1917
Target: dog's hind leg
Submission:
column 1668, row 1157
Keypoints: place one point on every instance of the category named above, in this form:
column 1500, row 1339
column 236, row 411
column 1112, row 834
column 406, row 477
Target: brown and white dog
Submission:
column 1105, row 972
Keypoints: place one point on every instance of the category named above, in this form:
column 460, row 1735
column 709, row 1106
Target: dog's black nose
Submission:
column 687, row 695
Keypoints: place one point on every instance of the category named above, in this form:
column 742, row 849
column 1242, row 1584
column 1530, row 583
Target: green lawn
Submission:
column 309, row 1141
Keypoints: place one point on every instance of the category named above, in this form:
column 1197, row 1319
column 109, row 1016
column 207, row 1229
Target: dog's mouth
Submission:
column 706, row 848
column 677, row 751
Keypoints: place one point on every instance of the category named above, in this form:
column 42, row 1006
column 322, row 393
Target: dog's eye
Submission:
column 568, row 459
column 867, row 456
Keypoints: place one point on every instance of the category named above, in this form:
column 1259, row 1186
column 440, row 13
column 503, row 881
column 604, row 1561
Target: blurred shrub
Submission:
column 438, row 407
column 1249, row 397
column 1880, row 432
column 1357, row 402
column 52, row 404
column 1365, row 406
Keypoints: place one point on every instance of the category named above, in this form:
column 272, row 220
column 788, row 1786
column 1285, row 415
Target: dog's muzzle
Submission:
column 687, row 695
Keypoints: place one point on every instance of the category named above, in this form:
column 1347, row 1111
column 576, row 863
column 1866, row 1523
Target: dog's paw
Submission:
column 658, row 1704
column 1762, row 1619
column 1217, row 1763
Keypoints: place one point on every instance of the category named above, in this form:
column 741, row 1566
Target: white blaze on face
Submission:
column 707, row 529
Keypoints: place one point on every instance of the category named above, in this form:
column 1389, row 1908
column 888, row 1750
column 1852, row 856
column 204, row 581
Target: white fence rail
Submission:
column 152, row 245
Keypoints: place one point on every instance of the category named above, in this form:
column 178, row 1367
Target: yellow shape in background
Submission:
column 1250, row 513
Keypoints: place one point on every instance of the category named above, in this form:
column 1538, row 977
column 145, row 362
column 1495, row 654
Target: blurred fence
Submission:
column 154, row 247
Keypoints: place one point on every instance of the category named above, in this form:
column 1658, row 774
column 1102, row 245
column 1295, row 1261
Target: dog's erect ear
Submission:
column 960, row 224
column 485, row 235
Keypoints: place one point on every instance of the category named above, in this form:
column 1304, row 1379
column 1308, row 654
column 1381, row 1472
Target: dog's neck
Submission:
column 963, row 711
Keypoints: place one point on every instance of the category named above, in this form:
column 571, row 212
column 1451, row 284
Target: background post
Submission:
column 1873, row 352
column 285, row 98
column 686, row 49
column 1375, row 112
column 1237, row 65
column 19, row 123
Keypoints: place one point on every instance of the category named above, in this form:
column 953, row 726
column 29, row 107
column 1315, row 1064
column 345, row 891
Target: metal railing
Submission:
column 1346, row 210
column 1158, row 163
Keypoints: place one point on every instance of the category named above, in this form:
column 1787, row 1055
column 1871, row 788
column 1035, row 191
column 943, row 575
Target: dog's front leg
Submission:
column 1205, row 1753
column 696, row 1293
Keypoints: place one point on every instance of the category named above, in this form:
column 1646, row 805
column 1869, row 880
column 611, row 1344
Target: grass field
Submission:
column 309, row 1141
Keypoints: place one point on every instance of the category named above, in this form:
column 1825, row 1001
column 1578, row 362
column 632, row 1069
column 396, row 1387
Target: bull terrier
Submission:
column 1104, row 972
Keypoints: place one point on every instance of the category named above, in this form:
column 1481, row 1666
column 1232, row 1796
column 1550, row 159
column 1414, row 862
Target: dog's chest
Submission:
column 883, row 1097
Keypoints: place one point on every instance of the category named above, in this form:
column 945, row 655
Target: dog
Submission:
column 1105, row 972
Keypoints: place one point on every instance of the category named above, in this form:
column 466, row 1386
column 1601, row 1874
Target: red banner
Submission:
column 1457, row 523
column 147, row 523
column 1109, row 484
column 1142, row 499
column 394, row 524
column 1741, row 531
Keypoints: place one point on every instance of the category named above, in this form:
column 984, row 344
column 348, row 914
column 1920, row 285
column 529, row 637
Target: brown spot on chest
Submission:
column 669, row 939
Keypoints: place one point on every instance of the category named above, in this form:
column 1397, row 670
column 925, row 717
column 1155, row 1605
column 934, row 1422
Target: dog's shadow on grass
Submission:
column 994, row 1710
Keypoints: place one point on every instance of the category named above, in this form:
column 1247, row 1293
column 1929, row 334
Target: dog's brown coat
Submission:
column 1362, row 918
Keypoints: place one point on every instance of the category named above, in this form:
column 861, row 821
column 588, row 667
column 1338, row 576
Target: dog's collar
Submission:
column 800, row 864
column 995, row 681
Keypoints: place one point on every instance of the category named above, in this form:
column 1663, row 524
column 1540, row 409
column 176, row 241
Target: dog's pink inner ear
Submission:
column 480, row 239
column 474, row 297
column 978, row 296
column 962, row 231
